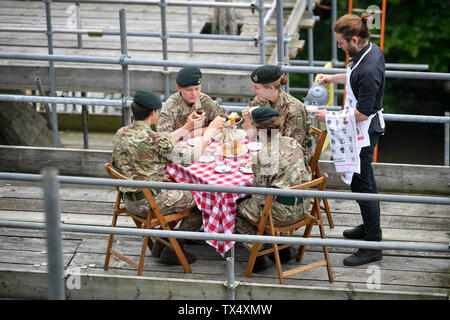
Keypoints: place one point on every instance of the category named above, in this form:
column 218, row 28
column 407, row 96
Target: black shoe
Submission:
column 286, row 255
column 262, row 263
column 363, row 256
column 158, row 247
column 168, row 256
column 355, row 233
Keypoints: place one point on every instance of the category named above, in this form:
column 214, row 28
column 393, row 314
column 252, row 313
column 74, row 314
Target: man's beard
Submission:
column 352, row 51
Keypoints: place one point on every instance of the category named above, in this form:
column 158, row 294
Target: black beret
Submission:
column 147, row 99
column 264, row 113
column 266, row 74
column 189, row 76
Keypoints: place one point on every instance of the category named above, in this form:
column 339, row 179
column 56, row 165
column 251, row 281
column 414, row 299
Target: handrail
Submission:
column 54, row 227
column 112, row 32
column 119, row 104
column 210, row 65
column 388, row 245
column 231, row 189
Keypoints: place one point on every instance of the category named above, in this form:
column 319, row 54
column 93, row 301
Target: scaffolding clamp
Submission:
column 122, row 59
column 95, row 33
column 253, row 5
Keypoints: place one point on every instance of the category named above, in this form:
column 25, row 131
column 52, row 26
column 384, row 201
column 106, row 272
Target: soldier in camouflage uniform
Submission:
column 279, row 164
column 296, row 123
column 142, row 154
column 179, row 108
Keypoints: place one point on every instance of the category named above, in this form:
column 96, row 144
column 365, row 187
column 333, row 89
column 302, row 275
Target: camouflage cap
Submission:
column 266, row 74
column 264, row 113
column 147, row 99
column 189, row 76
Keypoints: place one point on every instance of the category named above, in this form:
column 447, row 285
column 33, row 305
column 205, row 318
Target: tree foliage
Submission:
column 418, row 32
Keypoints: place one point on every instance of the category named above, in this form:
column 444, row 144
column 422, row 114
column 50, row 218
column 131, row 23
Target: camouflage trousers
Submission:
column 283, row 215
column 171, row 201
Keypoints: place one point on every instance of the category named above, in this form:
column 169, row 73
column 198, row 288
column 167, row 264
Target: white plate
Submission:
column 245, row 169
column 223, row 168
column 193, row 141
column 311, row 109
column 209, row 158
column 254, row 146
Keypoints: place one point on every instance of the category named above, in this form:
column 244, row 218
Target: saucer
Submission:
column 194, row 141
column 223, row 168
column 245, row 169
column 254, row 146
column 209, row 158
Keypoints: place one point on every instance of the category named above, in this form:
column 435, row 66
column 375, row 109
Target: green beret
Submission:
column 266, row 74
column 147, row 99
column 189, row 76
column 264, row 113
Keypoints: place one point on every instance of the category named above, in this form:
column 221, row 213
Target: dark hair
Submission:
column 277, row 84
column 351, row 25
column 268, row 124
column 140, row 113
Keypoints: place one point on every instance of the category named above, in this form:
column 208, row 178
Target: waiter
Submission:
column 364, row 83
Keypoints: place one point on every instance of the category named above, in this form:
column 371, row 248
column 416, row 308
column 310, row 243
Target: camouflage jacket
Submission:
column 175, row 112
column 141, row 154
column 295, row 119
column 281, row 166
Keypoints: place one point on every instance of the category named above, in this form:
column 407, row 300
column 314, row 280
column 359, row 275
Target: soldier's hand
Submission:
column 192, row 123
column 217, row 123
column 168, row 178
column 247, row 115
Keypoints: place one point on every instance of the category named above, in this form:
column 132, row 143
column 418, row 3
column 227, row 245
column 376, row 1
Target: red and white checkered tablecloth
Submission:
column 219, row 209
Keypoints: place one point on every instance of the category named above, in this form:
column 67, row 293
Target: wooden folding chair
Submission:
column 154, row 219
column 314, row 165
column 266, row 224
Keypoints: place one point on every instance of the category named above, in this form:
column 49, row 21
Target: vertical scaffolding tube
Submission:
column 191, row 41
column 54, row 115
column 78, row 16
column 53, row 232
column 334, row 58
column 310, row 47
column 164, row 48
column 280, row 33
column 126, row 112
column 84, row 122
column 447, row 141
column 262, row 37
column 231, row 286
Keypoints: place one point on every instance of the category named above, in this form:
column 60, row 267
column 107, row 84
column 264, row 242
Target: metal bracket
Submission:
column 256, row 39
column 231, row 286
column 122, row 58
column 95, row 33
column 253, row 5
column 124, row 102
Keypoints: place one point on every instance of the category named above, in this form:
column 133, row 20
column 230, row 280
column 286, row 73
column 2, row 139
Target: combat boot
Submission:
column 286, row 255
column 262, row 263
column 363, row 256
column 355, row 233
column 158, row 247
column 169, row 256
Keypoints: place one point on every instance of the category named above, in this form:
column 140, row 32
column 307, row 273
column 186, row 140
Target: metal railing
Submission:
column 54, row 227
column 125, row 61
column 126, row 103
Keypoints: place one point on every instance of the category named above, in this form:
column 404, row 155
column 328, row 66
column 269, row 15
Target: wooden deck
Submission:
column 403, row 274
column 102, row 77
